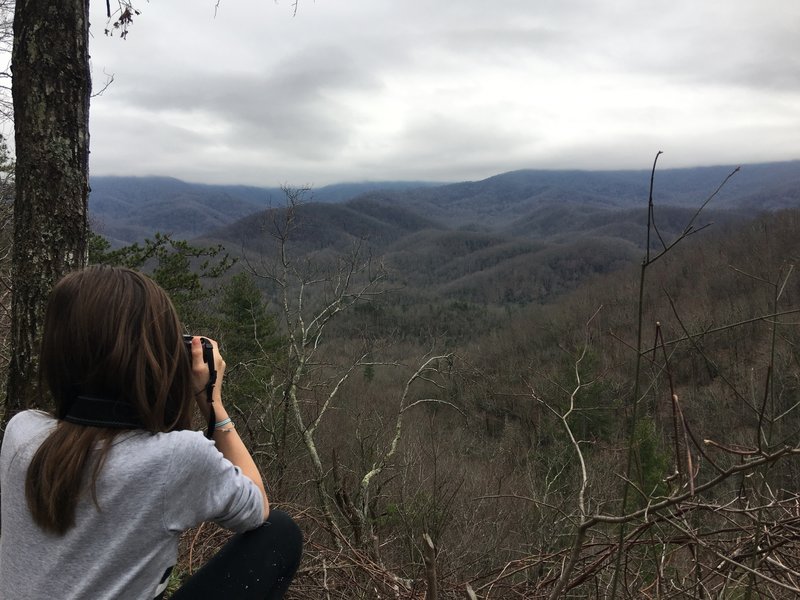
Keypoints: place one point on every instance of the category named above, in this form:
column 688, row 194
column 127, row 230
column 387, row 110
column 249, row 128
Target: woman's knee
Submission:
column 279, row 518
column 285, row 526
column 281, row 531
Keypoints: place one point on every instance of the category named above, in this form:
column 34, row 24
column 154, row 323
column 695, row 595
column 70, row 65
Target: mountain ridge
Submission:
column 523, row 236
column 128, row 209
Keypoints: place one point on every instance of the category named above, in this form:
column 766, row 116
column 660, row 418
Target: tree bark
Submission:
column 51, row 87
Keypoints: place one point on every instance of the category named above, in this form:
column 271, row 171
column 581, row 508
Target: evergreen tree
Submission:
column 249, row 338
column 176, row 266
column 246, row 327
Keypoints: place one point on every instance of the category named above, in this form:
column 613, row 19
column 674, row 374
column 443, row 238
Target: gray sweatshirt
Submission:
column 151, row 488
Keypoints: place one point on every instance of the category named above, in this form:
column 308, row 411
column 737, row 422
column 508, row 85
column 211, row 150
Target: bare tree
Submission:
column 310, row 295
column 714, row 518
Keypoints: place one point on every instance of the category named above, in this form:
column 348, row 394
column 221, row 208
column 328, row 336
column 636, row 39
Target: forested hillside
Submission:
column 521, row 402
column 514, row 239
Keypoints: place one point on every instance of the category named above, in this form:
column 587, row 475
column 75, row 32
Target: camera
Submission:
column 208, row 358
column 208, row 349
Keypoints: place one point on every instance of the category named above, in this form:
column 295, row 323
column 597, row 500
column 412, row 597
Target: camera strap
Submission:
column 103, row 412
column 94, row 411
column 212, row 417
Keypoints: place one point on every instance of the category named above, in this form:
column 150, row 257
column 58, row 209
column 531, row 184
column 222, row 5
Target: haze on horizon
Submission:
column 380, row 90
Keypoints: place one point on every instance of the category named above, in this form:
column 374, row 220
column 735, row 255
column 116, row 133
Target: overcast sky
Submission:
column 354, row 90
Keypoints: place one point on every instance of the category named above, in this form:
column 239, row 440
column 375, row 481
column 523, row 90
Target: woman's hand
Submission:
column 227, row 439
column 200, row 375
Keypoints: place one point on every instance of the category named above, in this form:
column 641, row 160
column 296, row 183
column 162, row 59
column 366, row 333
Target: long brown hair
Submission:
column 109, row 332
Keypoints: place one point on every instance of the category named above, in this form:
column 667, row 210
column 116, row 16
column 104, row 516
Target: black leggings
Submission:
column 258, row 564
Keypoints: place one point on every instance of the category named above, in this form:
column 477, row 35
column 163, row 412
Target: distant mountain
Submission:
column 129, row 209
column 520, row 237
column 501, row 200
column 324, row 227
column 340, row 192
column 524, row 236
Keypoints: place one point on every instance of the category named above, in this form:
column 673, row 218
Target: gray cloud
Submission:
column 443, row 90
column 291, row 106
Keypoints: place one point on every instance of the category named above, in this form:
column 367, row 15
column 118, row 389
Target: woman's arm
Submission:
column 226, row 438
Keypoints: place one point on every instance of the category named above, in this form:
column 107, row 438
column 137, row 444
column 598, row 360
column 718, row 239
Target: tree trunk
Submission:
column 51, row 87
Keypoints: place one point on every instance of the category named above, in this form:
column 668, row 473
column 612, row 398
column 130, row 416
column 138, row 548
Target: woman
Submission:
column 95, row 497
